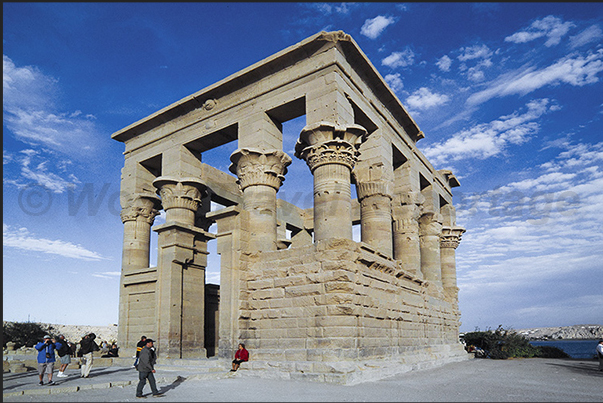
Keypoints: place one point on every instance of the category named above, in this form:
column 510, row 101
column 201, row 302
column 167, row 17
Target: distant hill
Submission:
column 563, row 332
column 74, row 333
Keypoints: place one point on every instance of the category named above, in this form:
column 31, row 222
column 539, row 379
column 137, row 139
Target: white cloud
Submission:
column 108, row 275
column 394, row 81
column 590, row 34
column 29, row 103
column 372, row 28
column 474, row 52
column 34, row 169
column 444, row 63
column 540, row 229
column 20, row 238
column 489, row 139
column 574, row 69
column 551, row 27
column 423, row 99
column 399, row 59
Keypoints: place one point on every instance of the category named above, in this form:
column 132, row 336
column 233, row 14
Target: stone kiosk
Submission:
column 316, row 305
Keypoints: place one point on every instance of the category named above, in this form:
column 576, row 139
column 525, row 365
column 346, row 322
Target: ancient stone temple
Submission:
column 306, row 299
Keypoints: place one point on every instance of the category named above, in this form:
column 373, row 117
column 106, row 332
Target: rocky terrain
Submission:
column 563, row 332
column 74, row 333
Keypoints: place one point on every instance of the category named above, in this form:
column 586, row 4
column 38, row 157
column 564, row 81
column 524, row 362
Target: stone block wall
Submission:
column 311, row 309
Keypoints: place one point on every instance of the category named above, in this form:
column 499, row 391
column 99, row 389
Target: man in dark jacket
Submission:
column 139, row 346
column 146, row 369
column 87, row 348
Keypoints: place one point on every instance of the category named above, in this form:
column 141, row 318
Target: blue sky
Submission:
column 509, row 96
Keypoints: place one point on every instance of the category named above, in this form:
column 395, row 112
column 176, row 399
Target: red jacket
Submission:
column 242, row 355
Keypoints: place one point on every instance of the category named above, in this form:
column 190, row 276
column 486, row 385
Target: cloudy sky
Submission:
column 509, row 96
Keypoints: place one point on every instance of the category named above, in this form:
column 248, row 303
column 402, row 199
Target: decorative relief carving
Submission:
column 451, row 237
column 430, row 224
column 406, row 225
column 144, row 206
column 209, row 104
column 325, row 143
column 373, row 188
column 259, row 167
column 180, row 193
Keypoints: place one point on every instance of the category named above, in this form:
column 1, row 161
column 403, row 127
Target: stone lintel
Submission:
column 196, row 231
column 224, row 212
column 142, row 276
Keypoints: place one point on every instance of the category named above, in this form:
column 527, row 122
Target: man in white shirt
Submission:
column 600, row 354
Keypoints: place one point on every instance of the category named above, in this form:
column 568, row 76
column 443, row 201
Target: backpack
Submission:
column 65, row 349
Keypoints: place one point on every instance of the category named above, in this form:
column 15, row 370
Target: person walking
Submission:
column 240, row 356
column 87, row 348
column 64, row 356
column 139, row 346
column 600, row 354
column 46, row 358
column 146, row 369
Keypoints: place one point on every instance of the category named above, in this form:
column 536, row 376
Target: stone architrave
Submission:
column 376, row 215
column 260, row 174
column 181, row 266
column 430, row 228
column 331, row 152
column 450, row 239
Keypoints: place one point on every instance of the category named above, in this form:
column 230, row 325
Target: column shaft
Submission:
column 331, row 152
column 332, row 202
column 430, row 227
column 260, row 174
column 260, row 202
column 180, row 291
column 406, row 238
column 376, row 216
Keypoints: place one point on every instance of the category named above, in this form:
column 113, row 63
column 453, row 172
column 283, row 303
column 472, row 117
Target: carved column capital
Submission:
column 141, row 206
column 326, row 143
column 373, row 188
column 430, row 224
column 451, row 237
column 409, row 198
column 183, row 193
column 259, row 167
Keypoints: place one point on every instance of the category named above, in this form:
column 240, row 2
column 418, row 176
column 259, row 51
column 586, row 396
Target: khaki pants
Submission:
column 86, row 363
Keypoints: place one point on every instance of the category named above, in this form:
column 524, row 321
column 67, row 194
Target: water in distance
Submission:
column 583, row 349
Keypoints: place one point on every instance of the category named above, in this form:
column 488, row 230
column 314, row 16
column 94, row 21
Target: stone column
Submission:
column 331, row 152
column 260, row 174
column 138, row 214
column 406, row 231
column 430, row 228
column 451, row 237
column 137, row 217
column 376, row 215
column 181, row 266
